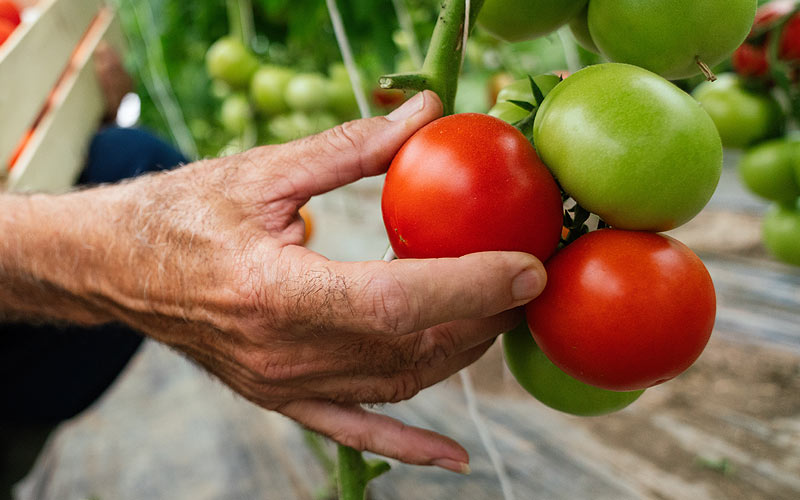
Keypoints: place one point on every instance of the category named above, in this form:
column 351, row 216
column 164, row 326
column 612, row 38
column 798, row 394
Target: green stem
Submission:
column 234, row 20
column 355, row 472
column 442, row 65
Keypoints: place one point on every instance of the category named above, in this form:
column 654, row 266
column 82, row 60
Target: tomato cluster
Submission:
column 748, row 109
column 278, row 102
column 625, row 307
column 776, row 23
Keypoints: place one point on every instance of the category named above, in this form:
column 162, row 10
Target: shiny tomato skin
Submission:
column 624, row 310
column 469, row 183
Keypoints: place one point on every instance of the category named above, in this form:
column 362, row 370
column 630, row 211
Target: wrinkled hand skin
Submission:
column 207, row 259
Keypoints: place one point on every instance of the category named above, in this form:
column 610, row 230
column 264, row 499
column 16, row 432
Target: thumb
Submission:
column 352, row 150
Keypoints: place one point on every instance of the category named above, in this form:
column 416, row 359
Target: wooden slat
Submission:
column 34, row 59
column 57, row 151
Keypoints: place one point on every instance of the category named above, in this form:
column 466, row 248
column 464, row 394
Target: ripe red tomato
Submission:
column 10, row 12
column 624, row 310
column 469, row 183
column 750, row 60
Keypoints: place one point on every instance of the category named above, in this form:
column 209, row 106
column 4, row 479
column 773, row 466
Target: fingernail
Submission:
column 452, row 465
column 408, row 109
column 527, row 285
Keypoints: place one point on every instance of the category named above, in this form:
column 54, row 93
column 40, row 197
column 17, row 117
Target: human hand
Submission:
column 207, row 259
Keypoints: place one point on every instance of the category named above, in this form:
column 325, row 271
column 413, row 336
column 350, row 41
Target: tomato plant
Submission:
column 781, row 232
column 230, row 61
column 468, row 183
column 768, row 170
column 518, row 20
column 629, row 146
column 551, row 386
column 743, row 117
column 624, row 310
column 669, row 38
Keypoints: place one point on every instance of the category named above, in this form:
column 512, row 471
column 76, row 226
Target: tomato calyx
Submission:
column 576, row 220
column 526, row 124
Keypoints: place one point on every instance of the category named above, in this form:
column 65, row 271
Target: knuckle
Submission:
column 405, row 386
column 392, row 309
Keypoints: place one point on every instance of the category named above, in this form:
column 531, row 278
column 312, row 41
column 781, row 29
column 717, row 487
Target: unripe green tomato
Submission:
column 580, row 30
column 235, row 113
column 768, row 169
column 508, row 112
column 629, row 146
column 781, row 232
column 229, row 60
column 341, row 99
column 551, row 386
column 285, row 128
column 525, row 20
column 520, row 90
column 742, row 117
column 669, row 36
column 307, row 92
column 268, row 89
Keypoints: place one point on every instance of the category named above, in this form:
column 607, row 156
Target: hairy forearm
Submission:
column 46, row 258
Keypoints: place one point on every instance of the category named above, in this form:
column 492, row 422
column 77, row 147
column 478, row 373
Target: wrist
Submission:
column 45, row 260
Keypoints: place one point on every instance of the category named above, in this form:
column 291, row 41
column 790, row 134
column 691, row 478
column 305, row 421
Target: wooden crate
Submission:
column 49, row 93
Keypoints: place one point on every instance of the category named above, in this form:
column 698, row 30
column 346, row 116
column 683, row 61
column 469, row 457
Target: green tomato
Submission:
column 669, row 37
column 520, row 90
column 580, row 30
column 742, row 117
column 285, row 128
column 781, row 232
column 268, row 87
column 341, row 99
column 229, row 60
column 518, row 20
column 235, row 113
column 508, row 112
column 307, row 92
column 768, row 169
column 629, row 146
column 551, row 386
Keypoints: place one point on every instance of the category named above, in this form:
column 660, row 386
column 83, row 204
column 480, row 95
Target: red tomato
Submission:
column 10, row 12
column 624, row 310
column 6, row 28
column 750, row 60
column 469, row 183
column 790, row 40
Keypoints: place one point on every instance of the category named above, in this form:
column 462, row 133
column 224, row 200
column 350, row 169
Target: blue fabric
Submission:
column 49, row 373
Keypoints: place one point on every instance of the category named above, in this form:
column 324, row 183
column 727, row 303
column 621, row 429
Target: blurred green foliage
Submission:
column 168, row 40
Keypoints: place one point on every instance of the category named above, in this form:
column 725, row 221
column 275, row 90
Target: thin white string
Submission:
column 158, row 85
column 485, row 435
column 465, row 36
column 407, row 25
column 347, row 56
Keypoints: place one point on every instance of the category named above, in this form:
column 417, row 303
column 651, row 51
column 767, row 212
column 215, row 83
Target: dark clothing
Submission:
column 49, row 373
